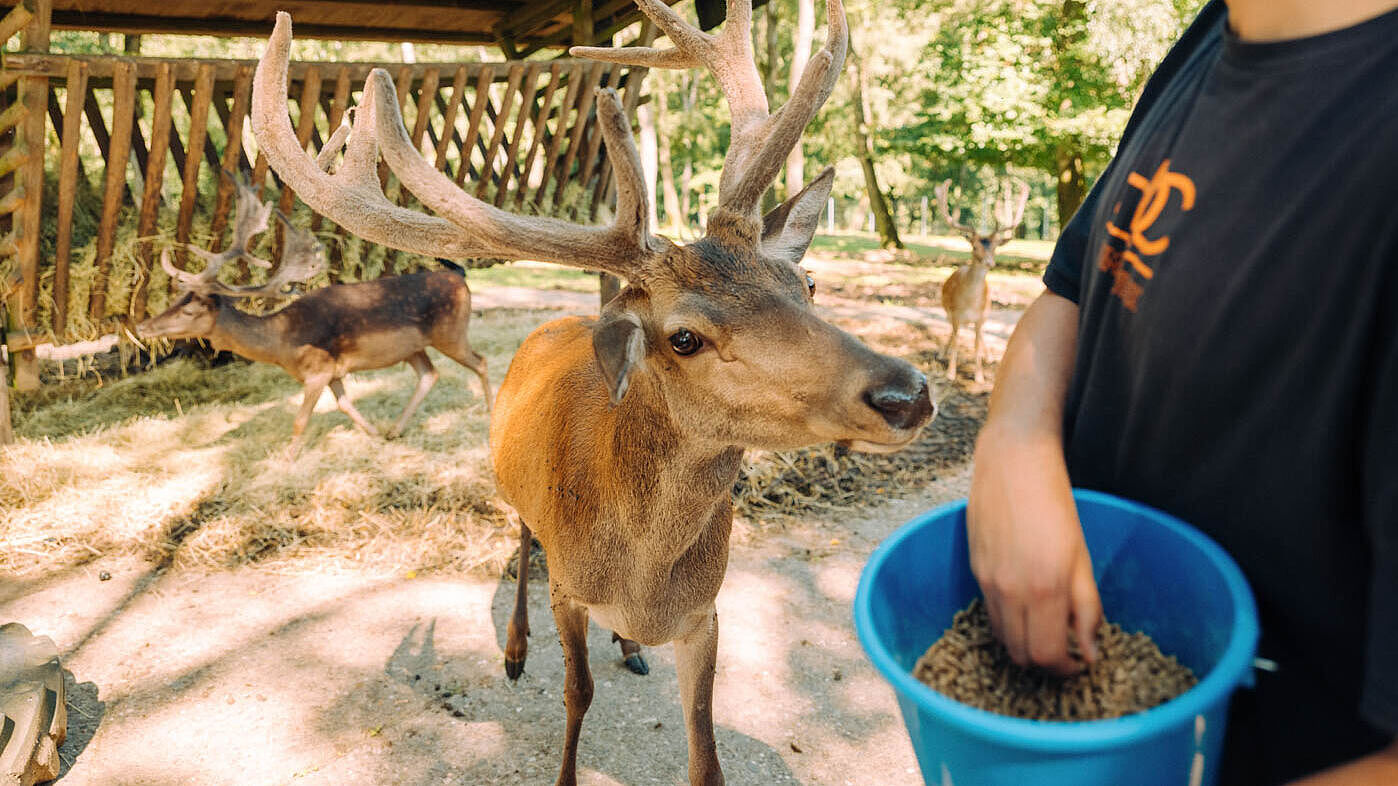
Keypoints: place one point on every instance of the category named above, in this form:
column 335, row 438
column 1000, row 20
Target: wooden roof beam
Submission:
column 140, row 23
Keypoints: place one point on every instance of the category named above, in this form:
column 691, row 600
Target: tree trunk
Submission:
column 1071, row 186
column 650, row 157
column 769, row 71
column 659, row 85
column 863, row 127
column 801, row 54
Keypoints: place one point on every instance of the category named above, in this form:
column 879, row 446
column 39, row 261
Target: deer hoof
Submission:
column 514, row 668
column 637, row 665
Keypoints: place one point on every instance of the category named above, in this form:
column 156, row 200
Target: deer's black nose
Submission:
column 905, row 403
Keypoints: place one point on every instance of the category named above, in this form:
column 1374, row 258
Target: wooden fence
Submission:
column 514, row 133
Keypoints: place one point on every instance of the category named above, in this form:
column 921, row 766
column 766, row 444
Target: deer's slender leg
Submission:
column 314, row 385
column 426, row 378
column 980, row 371
column 951, row 351
column 695, row 656
column 476, row 362
column 631, row 655
column 516, row 638
column 571, row 619
column 342, row 400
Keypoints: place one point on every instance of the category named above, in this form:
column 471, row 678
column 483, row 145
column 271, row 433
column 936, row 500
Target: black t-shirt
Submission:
column 1236, row 269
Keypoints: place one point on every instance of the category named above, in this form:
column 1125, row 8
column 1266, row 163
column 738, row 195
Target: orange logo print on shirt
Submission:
column 1155, row 194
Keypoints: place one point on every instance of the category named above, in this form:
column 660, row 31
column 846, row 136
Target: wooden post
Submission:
column 67, row 191
column 33, row 93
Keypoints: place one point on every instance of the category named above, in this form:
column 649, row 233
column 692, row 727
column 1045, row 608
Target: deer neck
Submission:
column 261, row 338
column 669, row 478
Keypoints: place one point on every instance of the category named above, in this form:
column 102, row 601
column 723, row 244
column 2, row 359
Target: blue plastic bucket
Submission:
column 1154, row 573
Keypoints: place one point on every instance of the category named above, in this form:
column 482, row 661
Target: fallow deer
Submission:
column 618, row 439
column 324, row 335
column 965, row 295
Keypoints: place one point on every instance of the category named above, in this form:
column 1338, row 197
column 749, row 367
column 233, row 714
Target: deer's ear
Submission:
column 788, row 229
column 619, row 342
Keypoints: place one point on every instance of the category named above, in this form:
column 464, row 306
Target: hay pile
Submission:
column 1130, row 675
column 186, row 466
column 828, row 477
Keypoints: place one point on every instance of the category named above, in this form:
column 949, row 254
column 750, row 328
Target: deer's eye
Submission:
column 810, row 284
column 685, row 342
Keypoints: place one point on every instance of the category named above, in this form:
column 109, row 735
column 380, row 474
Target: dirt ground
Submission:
column 292, row 674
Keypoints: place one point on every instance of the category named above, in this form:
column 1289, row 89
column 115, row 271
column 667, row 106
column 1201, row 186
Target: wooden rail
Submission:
column 150, row 136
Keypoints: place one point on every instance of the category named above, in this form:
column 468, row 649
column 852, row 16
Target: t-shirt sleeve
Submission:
column 1063, row 276
column 1379, row 486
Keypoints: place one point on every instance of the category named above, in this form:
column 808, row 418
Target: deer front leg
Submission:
column 980, row 372
column 631, row 655
column 476, row 362
column 516, row 638
column 951, row 351
column 313, row 386
column 342, row 400
column 571, row 619
column 695, row 656
column 426, row 378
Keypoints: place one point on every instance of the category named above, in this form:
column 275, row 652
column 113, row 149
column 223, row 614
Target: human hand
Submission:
column 1028, row 553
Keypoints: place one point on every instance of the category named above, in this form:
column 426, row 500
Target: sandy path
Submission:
column 250, row 677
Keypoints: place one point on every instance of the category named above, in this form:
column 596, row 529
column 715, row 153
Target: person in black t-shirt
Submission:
column 1220, row 341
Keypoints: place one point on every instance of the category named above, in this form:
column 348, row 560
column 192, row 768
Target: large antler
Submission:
column 463, row 225
column 953, row 221
column 302, row 254
column 760, row 140
column 1009, row 211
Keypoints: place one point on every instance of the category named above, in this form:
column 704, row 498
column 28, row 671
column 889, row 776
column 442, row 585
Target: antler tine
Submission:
column 462, row 225
column 760, row 139
column 953, row 222
column 1007, row 218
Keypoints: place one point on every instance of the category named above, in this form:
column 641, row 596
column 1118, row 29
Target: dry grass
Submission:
column 186, row 465
column 123, row 468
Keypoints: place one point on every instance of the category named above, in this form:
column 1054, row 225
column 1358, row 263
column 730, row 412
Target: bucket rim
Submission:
column 1233, row 667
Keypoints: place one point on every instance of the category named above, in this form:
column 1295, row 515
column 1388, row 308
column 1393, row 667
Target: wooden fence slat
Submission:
column 13, row 159
column 193, row 158
column 211, row 154
column 594, row 78
column 560, row 129
column 305, row 124
column 501, row 118
column 473, row 125
column 528, row 95
column 336, row 116
column 123, row 113
column 449, row 114
column 12, row 115
column 67, row 192
column 537, row 128
column 186, row 69
column 426, row 92
column 164, row 94
column 593, row 147
column 12, row 201
column 14, row 21
column 232, row 154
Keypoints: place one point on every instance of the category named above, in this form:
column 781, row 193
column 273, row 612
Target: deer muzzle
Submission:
column 905, row 403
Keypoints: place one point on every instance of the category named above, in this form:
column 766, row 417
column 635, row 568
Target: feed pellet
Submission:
column 1130, row 675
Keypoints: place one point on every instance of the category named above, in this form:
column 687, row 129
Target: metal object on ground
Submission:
column 33, row 709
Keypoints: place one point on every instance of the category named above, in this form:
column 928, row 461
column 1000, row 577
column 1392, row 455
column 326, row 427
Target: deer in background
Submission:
column 965, row 296
column 618, row 439
column 324, row 335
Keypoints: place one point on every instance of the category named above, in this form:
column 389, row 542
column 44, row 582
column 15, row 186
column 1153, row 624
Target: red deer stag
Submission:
column 965, row 296
column 618, row 439
column 324, row 335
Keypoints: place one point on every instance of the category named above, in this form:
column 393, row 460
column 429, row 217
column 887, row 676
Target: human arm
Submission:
column 1378, row 767
column 1026, row 543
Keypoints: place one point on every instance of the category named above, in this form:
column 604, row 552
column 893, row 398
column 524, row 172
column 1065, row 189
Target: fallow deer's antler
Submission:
column 1008, row 214
column 953, row 221
column 462, row 225
column 760, row 140
column 302, row 254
